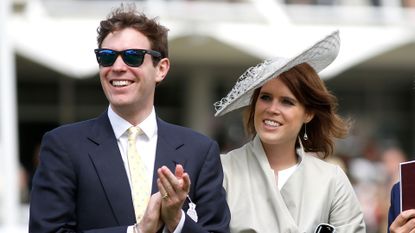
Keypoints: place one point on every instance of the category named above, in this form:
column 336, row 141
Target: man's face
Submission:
column 130, row 90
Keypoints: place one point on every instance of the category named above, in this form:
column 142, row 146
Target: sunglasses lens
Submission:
column 106, row 57
column 133, row 57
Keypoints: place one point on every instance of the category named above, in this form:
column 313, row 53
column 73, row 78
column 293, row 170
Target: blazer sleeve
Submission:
column 346, row 214
column 210, row 198
column 394, row 209
column 53, row 196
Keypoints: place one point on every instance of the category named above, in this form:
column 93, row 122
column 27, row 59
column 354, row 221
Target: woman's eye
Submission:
column 265, row 97
column 287, row 101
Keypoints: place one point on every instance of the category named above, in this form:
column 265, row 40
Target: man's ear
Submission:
column 162, row 69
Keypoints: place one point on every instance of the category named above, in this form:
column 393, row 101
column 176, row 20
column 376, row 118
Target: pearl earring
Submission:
column 305, row 137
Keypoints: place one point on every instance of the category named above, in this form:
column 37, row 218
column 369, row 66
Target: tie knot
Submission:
column 133, row 132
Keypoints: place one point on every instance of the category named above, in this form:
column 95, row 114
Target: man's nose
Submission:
column 119, row 63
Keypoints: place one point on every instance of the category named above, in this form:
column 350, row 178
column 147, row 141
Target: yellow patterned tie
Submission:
column 140, row 184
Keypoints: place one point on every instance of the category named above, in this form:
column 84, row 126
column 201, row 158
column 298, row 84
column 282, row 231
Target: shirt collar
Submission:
column 120, row 125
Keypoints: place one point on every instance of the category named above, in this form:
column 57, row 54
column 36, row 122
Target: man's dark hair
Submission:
column 128, row 17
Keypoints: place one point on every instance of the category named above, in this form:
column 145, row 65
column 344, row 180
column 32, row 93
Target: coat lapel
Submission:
column 108, row 163
column 167, row 152
column 286, row 222
column 293, row 189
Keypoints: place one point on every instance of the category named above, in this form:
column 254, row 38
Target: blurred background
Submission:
column 49, row 77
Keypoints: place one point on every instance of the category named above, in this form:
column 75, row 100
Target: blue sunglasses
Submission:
column 131, row 57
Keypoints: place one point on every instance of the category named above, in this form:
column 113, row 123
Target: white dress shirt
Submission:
column 146, row 142
column 146, row 146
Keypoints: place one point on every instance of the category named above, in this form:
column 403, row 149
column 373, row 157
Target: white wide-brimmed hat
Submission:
column 318, row 56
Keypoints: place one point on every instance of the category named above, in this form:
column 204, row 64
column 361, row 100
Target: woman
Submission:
column 278, row 181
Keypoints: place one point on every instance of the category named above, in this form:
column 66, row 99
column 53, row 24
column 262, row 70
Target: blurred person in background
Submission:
column 408, row 3
column 368, row 175
column 278, row 182
column 86, row 180
column 390, row 157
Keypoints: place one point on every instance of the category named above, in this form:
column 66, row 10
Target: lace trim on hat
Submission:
column 243, row 83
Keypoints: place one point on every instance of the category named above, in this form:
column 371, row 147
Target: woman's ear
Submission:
column 308, row 117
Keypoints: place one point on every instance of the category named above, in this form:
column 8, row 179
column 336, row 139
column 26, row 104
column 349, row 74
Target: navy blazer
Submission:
column 395, row 207
column 81, row 184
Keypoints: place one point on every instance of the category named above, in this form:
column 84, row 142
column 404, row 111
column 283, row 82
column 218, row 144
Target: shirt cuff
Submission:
column 179, row 226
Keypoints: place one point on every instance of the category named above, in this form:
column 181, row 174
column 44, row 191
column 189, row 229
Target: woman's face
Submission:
column 278, row 114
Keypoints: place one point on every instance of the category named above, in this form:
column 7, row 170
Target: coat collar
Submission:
column 257, row 145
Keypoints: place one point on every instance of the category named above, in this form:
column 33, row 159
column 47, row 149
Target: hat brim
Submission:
column 318, row 56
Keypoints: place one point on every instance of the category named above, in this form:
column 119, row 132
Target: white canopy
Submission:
column 66, row 44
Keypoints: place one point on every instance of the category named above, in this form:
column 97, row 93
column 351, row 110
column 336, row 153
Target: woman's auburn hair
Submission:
column 311, row 92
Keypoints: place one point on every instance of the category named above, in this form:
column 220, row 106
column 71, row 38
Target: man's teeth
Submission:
column 271, row 123
column 121, row 83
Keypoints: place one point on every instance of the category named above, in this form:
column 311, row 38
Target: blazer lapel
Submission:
column 167, row 153
column 286, row 222
column 108, row 163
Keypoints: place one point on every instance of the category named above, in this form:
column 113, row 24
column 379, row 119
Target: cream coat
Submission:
column 317, row 192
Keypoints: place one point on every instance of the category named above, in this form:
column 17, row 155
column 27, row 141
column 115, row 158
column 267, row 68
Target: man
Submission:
column 87, row 177
column 399, row 222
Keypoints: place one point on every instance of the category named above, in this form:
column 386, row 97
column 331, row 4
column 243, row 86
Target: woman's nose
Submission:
column 274, row 107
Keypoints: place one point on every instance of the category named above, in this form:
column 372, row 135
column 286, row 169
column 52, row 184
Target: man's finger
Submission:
column 179, row 171
column 405, row 216
column 154, row 203
column 404, row 222
column 409, row 226
column 162, row 191
column 165, row 181
column 186, row 182
column 171, row 180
